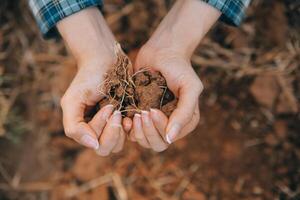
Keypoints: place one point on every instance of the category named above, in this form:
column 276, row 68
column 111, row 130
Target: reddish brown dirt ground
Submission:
column 246, row 147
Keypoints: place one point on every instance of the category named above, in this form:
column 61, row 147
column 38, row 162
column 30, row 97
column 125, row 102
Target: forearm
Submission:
column 184, row 26
column 87, row 35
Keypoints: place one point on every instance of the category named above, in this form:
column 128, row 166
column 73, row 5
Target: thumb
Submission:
column 127, row 124
column 183, row 114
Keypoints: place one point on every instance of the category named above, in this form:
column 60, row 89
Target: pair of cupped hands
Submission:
column 168, row 51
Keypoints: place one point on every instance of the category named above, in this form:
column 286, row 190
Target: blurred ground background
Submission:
column 247, row 145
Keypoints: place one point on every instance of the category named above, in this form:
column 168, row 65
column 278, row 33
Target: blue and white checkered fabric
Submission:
column 233, row 11
column 48, row 12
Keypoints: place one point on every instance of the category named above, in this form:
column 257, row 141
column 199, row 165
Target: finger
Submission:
column 132, row 136
column 182, row 115
column 138, row 131
column 110, row 134
column 155, row 140
column 74, row 125
column 160, row 121
column 100, row 119
column 127, row 124
column 192, row 125
column 120, row 143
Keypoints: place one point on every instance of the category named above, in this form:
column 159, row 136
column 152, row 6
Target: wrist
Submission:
column 184, row 27
column 87, row 36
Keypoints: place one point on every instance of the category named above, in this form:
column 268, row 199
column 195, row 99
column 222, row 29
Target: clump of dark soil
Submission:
column 131, row 93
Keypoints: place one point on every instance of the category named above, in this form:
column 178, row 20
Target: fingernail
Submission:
column 168, row 139
column 153, row 110
column 107, row 111
column 137, row 118
column 116, row 118
column 172, row 133
column 145, row 117
column 108, row 106
column 101, row 152
column 117, row 113
column 90, row 141
column 154, row 114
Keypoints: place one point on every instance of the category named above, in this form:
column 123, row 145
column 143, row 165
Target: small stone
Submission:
column 257, row 190
column 271, row 139
column 254, row 124
column 235, row 125
column 265, row 90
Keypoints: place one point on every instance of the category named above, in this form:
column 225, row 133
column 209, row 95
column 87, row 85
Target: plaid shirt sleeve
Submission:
column 233, row 11
column 48, row 12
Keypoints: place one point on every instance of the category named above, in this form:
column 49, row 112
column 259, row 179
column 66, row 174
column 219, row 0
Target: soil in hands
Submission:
column 130, row 93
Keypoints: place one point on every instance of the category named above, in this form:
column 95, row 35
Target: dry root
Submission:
column 131, row 93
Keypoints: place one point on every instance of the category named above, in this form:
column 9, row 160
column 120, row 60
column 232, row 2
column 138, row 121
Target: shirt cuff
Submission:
column 48, row 12
column 233, row 11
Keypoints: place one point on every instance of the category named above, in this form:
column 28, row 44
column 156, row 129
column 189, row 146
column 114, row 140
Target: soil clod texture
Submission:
column 130, row 93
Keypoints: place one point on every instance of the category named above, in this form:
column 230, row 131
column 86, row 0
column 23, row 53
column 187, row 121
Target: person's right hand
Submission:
column 169, row 51
column 92, row 44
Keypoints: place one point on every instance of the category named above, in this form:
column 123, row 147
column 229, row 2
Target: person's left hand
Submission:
column 153, row 129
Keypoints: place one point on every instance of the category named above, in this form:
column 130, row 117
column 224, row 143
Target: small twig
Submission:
column 134, row 104
column 161, row 194
column 253, row 142
column 119, row 186
column 287, row 92
column 123, row 97
column 185, row 182
column 125, row 82
column 116, row 16
column 140, row 71
column 214, row 63
column 129, row 110
column 6, row 105
column 164, row 181
column 28, row 187
column 239, row 185
column 15, row 182
column 288, row 191
column 5, row 174
column 100, row 86
column 162, row 98
column 107, row 178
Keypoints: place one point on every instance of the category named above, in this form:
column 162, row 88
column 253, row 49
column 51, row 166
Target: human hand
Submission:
column 104, row 131
column 153, row 129
column 92, row 45
column 168, row 51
